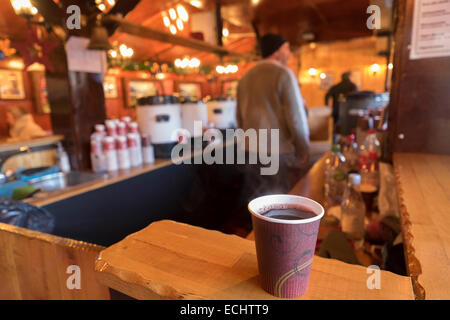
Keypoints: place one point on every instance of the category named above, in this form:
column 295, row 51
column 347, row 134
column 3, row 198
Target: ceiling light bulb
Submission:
column 225, row 32
column 123, row 50
column 375, row 67
column 111, row 2
column 172, row 14
column 196, row 3
column 166, row 21
column 180, row 25
column 220, row 69
column 178, row 63
column 172, row 28
column 102, row 7
column 195, row 63
column 34, row 10
column 323, row 76
column 312, row 72
column 182, row 13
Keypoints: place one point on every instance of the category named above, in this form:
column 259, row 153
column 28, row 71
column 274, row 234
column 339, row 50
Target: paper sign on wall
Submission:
column 79, row 58
column 431, row 29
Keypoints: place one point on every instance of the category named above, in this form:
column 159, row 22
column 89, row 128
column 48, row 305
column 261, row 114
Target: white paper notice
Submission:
column 79, row 58
column 431, row 29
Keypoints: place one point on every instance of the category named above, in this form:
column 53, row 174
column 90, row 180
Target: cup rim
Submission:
column 292, row 196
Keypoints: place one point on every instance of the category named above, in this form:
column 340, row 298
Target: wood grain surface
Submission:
column 170, row 260
column 423, row 182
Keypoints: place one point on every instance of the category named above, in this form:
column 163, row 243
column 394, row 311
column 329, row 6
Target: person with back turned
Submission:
column 268, row 97
column 345, row 87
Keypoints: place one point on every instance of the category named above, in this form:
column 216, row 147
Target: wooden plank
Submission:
column 171, row 260
column 423, row 181
column 33, row 266
column 158, row 35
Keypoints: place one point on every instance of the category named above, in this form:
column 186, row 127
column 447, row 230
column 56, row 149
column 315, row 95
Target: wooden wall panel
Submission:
column 419, row 112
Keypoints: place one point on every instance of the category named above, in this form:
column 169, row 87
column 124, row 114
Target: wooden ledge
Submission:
column 170, row 260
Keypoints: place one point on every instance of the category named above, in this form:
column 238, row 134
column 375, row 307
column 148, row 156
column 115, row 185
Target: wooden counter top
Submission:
column 170, row 260
column 423, row 182
column 108, row 179
column 111, row 178
column 10, row 146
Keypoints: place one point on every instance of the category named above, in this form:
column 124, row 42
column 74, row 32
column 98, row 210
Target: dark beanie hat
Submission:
column 270, row 43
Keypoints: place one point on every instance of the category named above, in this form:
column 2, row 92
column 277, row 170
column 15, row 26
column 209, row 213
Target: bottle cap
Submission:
column 351, row 137
column 355, row 179
column 336, row 148
column 99, row 128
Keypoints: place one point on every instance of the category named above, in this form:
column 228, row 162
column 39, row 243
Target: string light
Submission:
column 231, row 68
column 187, row 63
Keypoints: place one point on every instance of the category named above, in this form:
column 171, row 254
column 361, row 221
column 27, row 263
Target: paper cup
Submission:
column 285, row 248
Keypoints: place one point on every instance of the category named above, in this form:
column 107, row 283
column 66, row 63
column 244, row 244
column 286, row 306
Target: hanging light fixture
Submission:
column 175, row 19
column 105, row 5
column 120, row 54
column 182, row 13
column 99, row 37
column 24, row 8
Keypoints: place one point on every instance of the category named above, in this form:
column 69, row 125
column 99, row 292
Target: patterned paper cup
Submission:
column 285, row 248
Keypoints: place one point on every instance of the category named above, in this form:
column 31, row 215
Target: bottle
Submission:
column 97, row 157
column 353, row 209
column 134, row 129
column 148, row 151
column 135, row 150
column 335, row 177
column 368, row 159
column 121, row 129
column 350, row 152
column 123, row 153
column 126, row 119
column 63, row 159
column 111, row 128
column 110, row 153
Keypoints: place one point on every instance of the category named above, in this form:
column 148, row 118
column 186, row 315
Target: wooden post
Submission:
column 77, row 104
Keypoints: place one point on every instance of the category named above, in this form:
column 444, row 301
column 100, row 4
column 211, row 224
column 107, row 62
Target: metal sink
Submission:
column 61, row 180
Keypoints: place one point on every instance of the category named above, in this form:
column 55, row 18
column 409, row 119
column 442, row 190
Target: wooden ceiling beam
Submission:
column 161, row 36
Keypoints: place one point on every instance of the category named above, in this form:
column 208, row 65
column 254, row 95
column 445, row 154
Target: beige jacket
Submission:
column 25, row 128
column 268, row 97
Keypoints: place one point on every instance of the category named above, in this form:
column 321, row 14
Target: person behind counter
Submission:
column 345, row 87
column 22, row 125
